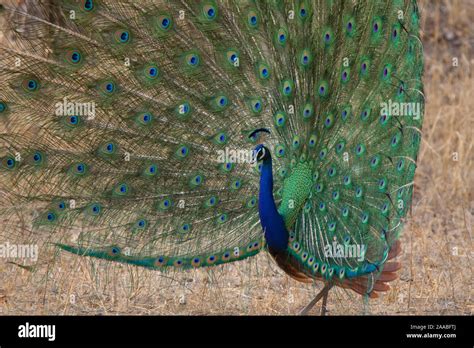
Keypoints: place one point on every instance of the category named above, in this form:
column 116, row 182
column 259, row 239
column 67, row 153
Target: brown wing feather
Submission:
column 291, row 267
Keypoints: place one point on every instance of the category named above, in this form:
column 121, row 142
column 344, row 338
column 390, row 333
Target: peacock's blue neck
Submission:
column 272, row 222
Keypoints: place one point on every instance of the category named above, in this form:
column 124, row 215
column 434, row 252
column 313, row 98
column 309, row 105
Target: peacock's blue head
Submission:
column 262, row 153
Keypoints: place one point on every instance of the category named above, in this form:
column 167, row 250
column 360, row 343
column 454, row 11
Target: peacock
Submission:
column 186, row 134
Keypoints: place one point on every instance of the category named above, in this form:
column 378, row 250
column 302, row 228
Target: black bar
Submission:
column 188, row 330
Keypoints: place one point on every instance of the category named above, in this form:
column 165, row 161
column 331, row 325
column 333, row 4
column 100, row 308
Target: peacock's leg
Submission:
column 324, row 304
column 322, row 293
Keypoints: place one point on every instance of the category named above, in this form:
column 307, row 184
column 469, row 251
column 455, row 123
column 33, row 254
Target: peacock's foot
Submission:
column 323, row 294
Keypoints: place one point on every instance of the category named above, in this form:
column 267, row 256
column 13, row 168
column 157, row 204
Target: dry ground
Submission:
column 437, row 274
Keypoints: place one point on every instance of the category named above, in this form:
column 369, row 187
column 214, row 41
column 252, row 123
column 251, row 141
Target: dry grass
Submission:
column 437, row 273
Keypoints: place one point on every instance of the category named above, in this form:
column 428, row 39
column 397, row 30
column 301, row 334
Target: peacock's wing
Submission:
column 363, row 140
column 122, row 122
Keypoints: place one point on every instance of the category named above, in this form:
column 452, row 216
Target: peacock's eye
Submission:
column 109, row 87
column 210, row 12
column 88, row 5
column 153, row 72
column 122, row 36
column 192, row 60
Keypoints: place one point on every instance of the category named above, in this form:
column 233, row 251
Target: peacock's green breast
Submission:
column 296, row 190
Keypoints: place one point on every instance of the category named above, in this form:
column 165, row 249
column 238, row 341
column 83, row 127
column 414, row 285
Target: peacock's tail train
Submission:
column 125, row 127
